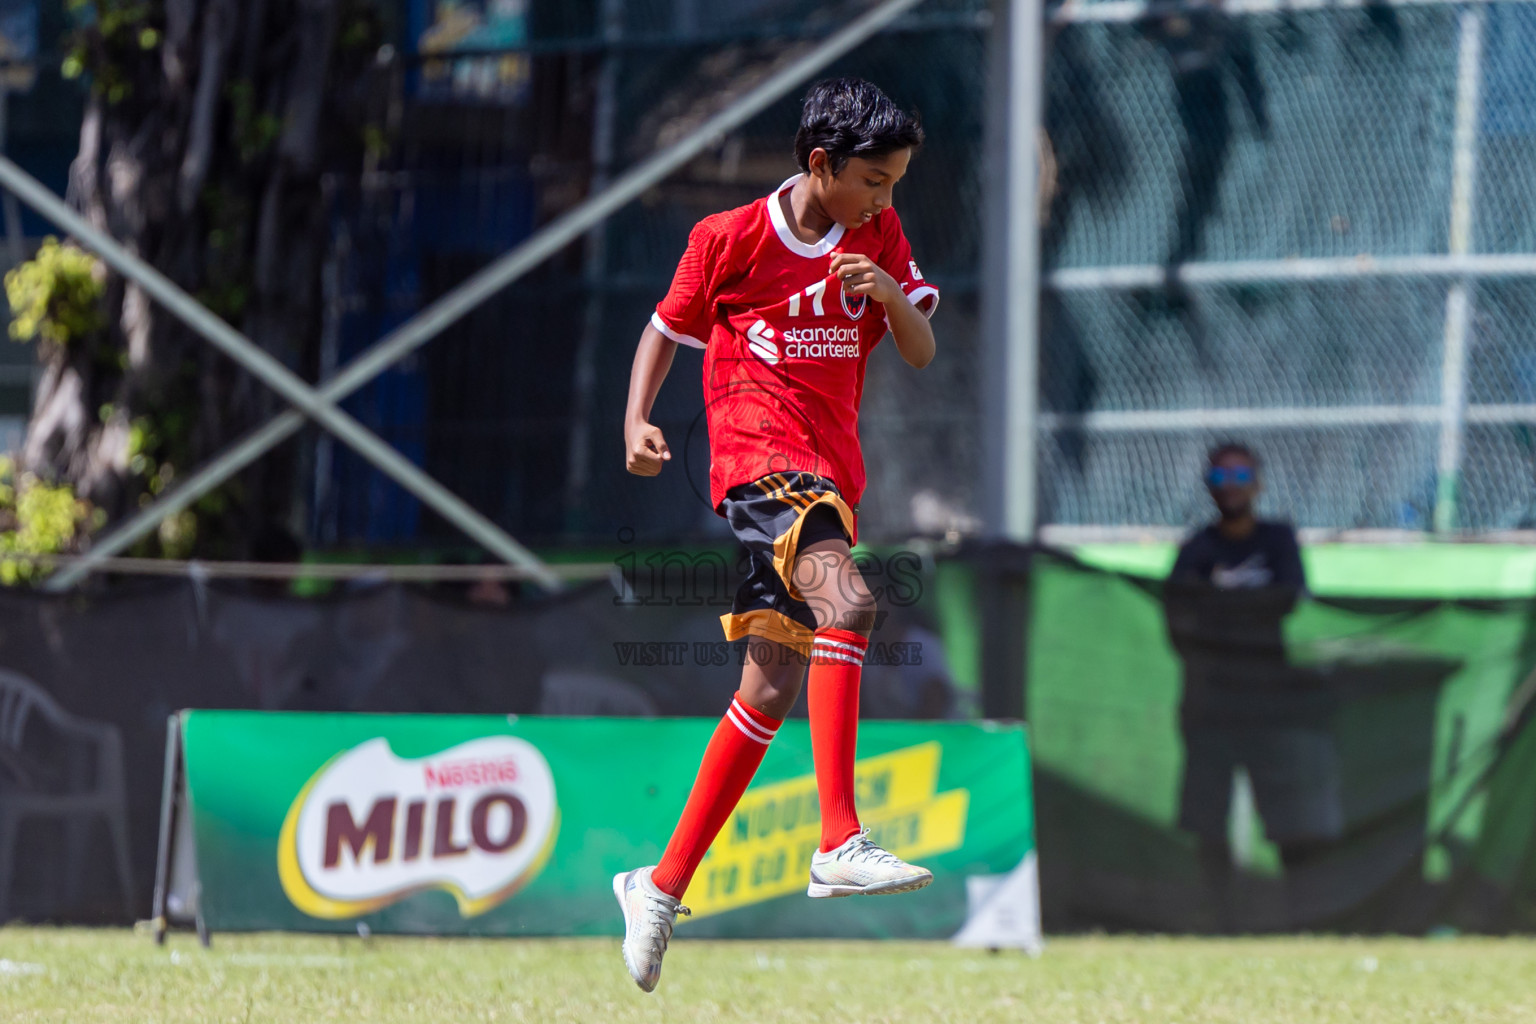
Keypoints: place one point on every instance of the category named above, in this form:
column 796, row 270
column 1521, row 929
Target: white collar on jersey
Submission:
column 793, row 244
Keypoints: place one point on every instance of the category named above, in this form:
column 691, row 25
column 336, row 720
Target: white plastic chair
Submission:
column 91, row 788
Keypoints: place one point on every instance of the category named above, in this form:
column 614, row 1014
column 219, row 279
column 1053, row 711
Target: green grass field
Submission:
column 83, row 976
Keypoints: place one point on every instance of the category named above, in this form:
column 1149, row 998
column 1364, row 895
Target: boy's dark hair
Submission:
column 850, row 117
column 1221, row 451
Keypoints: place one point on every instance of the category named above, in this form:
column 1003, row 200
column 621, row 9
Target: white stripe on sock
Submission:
column 847, row 659
column 823, row 641
column 749, row 728
column 768, row 731
column 748, row 733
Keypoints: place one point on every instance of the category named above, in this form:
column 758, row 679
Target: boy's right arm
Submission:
column 684, row 315
column 645, row 450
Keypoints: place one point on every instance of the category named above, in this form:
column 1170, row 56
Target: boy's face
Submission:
column 856, row 194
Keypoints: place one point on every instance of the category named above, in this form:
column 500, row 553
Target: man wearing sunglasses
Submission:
column 1239, row 550
column 1244, row 706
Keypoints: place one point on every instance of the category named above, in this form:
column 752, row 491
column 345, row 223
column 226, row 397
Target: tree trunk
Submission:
column 209, row 128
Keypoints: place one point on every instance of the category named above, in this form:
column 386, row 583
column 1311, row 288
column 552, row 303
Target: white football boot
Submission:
column 648, row 917
column 860, row 868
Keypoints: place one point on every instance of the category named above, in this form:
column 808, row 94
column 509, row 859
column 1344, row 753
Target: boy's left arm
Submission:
column 909, row 326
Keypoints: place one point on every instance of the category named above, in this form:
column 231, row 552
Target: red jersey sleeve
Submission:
column 896, row 260
column 688, row 311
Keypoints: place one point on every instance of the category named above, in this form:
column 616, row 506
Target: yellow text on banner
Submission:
column 764, row 851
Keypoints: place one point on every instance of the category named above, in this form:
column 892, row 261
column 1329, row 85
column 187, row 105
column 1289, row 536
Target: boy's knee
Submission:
column 854, row 612
column 858, row 616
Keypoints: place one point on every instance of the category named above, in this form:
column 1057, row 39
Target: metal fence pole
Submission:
column 15, row 240
column 519, row 261
column 268, row 370
column 1021, row 288
column 1458, row 302
column 594, row 266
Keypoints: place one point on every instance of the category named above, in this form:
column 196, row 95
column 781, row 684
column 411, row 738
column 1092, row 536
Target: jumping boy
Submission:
column 787, row 296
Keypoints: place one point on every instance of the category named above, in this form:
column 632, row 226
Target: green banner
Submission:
column 485, row 825
column 1421, row 721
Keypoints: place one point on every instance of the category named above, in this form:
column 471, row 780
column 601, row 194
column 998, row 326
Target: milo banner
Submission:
column 487, row 825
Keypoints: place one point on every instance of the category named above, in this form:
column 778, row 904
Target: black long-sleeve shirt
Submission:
column 1226, row 601
column 1267, row 557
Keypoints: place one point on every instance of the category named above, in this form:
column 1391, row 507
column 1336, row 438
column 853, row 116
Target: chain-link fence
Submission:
column 1303, row 226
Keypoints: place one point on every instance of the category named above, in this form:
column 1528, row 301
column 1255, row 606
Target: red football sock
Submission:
column 837, row 657
column 730, row 761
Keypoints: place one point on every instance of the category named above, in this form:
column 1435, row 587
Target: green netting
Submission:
column 1422, row 571
column 1436, row 797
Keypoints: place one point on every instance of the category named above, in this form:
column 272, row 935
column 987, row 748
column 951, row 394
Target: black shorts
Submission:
column 774, row 517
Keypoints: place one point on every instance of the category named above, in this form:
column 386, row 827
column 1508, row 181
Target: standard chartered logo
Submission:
column 760, row 341
column 802, row 342
column 821, row 343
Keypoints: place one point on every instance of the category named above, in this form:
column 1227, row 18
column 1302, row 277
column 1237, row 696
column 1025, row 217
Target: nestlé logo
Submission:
column 370, row 828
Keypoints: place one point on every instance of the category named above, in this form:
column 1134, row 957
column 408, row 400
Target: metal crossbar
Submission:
column 1112, row 11
column 1298, row 269
column 270, row 372
column 1130, row 420
column 1066, row 535
column 341, row 571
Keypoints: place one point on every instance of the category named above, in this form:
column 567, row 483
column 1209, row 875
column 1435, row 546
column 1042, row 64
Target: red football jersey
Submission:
column 784, row 346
